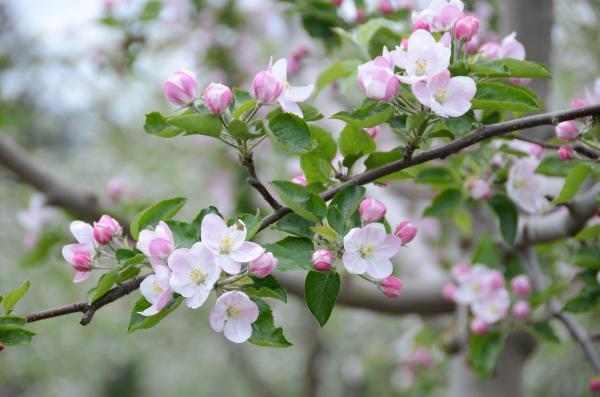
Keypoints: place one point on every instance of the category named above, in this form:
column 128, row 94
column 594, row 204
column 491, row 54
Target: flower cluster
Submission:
column 484, row 290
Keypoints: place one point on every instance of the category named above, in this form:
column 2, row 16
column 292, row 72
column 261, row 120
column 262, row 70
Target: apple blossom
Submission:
column 565, row 153
column 480, row 189
column 373, row 131
column 377, row 78
column 479, row 326
column 194, row 273
column 406, row 232
column 472, row 45
column 529, row 190
column 470, row 283
column 217, row 97
column 441, row 14
column 510, row 47
column 34, row 218
column 567, row 130
column 115, row 188
column 492, row 306
column 371, row 210
column 81, row 255
column 263, row 265
column 322, row 259
column 300, row 180
column 521, row 286
column 461, row 272
column 228, row 243
column 156, row 290
column 420, row 23
column 156, row 244
column 233, row 315
column 391, row 286
column 449, row 291
column 423, row 57
column 181, row 88
column 446, row 96
column 490, row 50
column 369, row 249
column 267, row 87
column 106, row 228
column 493, row 280
column 521, row 309
column 466, row 27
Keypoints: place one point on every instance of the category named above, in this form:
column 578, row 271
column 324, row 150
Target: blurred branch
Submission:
column 248, row 162
column 583, row 150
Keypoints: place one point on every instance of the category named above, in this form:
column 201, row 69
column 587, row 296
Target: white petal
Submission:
column 212, row 231
column 379, row 268
column 228, row 265
column 197, row 299
column 247, row 252
column 354, row 263
column 237, row 330
column 299, row 94
column 290, row 107
column 279, row 69
column 83, row 232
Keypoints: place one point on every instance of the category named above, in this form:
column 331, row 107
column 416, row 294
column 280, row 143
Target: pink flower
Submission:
column 371, row 210
column 521, row 286
column 194, row 273
column 386, row 7
column 423, row 58
column 300, row 180
column 510, row 47
column 565, row 153
column 156, row 244
column 466, row 27
column 479, row 326
column 228, row 243
column 115, row 188
column 420, row 23
column 373, row 131
column 391, row 286
column 440, row 14
column 446, row 96
column 156, row 290
column 473, row 44
column 369, row 249
column 271, row 84
column 490, row 50
column 217, row 97
column 406, row 232
column 263, row 265
column 106, row 228
column 521, row 310
column 322, row 259
column 479, row 189
column 80, row 255
column 461, row 272
column 449, row 291
column 529, row 190
column 567, row 130
column 181, row 88
column 493, row 306
column 233, row 315
column 377, row 78
column 577, row 103
column 493, row 280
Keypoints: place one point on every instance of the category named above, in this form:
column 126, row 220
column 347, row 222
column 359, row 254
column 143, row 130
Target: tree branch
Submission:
column 248, row 162
column 583, row 150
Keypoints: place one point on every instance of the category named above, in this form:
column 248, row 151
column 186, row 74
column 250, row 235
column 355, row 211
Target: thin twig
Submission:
column 248, row 162
column 583, row 150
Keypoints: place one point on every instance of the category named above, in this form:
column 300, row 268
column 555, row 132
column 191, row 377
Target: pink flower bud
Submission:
column 106, row 228
column 577, row 103
column 181, row 88
column 479, row 326
column 322, row 259
column 300, row 180
column 567, row 130
column 404, row 44
column 217, row 97
column 337, row 3
column 81, row 263
column 371, row 210
column 1, row 346
column 473, row 44
column 391, row 286
column 263, row 265
column 521, row 310
column 420, row 23
column 406, row 231
column 461, row 271
column 386, row 7
column 479, row 189
column 360, row 15
column 490, row 50
column 521, row 286
column 536, row 150
column 466, row 27
column 565, row 153
column 373, row 131
column 378, row 80
column 594, row 384
column 494, row 280
column 449, row 291
column 266, row 86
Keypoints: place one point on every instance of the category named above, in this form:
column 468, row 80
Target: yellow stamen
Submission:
column 226, row 245
column 441, row 96
column 421, row 67
column 157, row 288
column 233, row 311
column 197, row 276
column 366, row 250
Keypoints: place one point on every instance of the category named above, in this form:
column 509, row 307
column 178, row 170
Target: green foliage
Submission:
column 321, row 290
column 437, row 176
column 508, row 67
column 184, row 234
column 303, row 202
column 487, row 252
column 14, row 335
column 507, row 214
column 377, row 159
column 296, row 225
column 553, row 166
column 252, row 222
column 575, row 178
column 291, row 134
column 335, row 72
column 264, row 332
column 589, row 233
column 544, row 331
column 444, row 204
column 11, row 299
column 157, row 124
column 369, row 115
column 317, row 164
column 292, row 253
column 504, row 96
column 354, row 143
column 152, row 215
column 266, row 287
column 109, row 279
column 197, row 123
column 138, row 322
column 483, row 352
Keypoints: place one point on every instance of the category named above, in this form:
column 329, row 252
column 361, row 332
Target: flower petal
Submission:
column 389, row 247
column 83, row 232
column 299, row 94
column 279, row 69
column 354, row 263
column 290, row 107
column 212, row 231
column 237, row 330
column 247, row 252
column 228, row 265
column 197, row 299
column 81, row 276
column 379, row 268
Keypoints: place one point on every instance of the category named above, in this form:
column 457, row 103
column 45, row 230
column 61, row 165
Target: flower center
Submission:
column 421, row 66
column 157, row 288
column 226, row 245
column 233, row 311
column 441, row 96
column 197, row 276
column 287, row 86
column 366, row 250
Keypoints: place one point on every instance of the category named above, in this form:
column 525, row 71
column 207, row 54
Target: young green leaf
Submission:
column 266, row 287
column 156, row 124
column 444, row 203
column 264, row 332
column 507, row 214
column 483, row 352
column 137, row 321
column 12, row 298
column 304, row 203
column 369, row 115
column 291, row 133
column 321, row 290
column 292, row 253
column 160, row 211
column 573, row 182
column 14, row 335
column 197, row 123
column 504, row 96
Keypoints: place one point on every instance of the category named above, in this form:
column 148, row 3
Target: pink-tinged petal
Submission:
column 81, row 276
column 373, row 233
column 279, row 69
column 160, row 248
column 228, row 265
column 162, row 230
column 389, row 247
column 237, row 330
column 247, row 252
column 218, row 315
column 144, row 240
column 248, row 310
column 379, row 268
column 420, row 39
column 461, row 87
column 162, row 274
column 151, row 289
column 299, row 94
column 290, row 107
column 197, row 299
column 151, row 311
column 212, row 230
column 164, row 299
column 237, row 233
column 411, row 79
column 350, row 241
column 438, row 81
column 421, row 92
column 354, row 263
column 83, row 232
column 180, row 261
column 512, row 48
column 157, row 264
column 438, row 108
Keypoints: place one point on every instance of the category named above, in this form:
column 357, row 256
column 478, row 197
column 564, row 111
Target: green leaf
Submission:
column 14, row 335
column 327, row 232
column 545, row 331
column 264, row 332
column 156, row 124
column 460, row 125
column 326, row 146
column 504, row 96
column 589, row 233
column 239, row 130
column 197, row 123
column 444, row 203
column 267, row 287
column 137, row 321
column 436, row 176
column 487, row 252
column 321, row 290
column 587, row 257
column 243, row 102
column 367, row 31
column 354, row 142
column 127, row 257
column 573, row 182
column 309, row 112
column 304, row 203
column 184, row 234
column 292, row 253
column 12, row 298
column 377, row 159
column 588, row 299
column 335, row 72
column 337, row 220
column 508, row 67
column 13, row 320
column 296, row 225
column 483, row 352
column 198, row 219
column 414, row 121
column 317, row 164
column 107, row 280
column 553, row 166
column 507, row 215
column 160, row 211
column 369, row 115
column 151, row 10
column 291, row 133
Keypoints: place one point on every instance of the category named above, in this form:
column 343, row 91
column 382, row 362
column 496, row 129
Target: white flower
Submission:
column 423, row 57
column 369, row 249
column 156, row 289
column 529, row 190
column 233, row 315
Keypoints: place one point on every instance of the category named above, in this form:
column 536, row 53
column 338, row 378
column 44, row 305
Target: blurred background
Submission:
column 77, row 77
